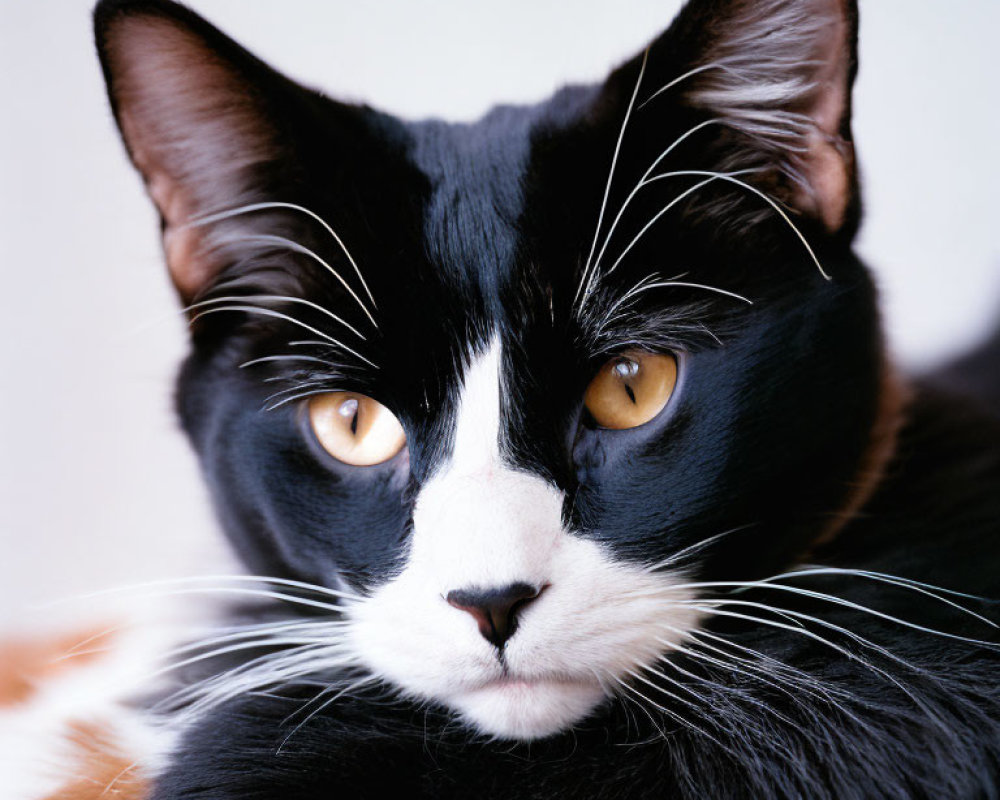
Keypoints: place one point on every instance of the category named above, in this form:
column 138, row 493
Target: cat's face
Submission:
column 518, row 384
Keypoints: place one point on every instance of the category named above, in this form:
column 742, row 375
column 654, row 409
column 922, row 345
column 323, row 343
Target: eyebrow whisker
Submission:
column 267, row 312
column 274, row 298
column 210, row 218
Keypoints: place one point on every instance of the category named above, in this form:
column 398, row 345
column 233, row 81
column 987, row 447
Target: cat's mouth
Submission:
column 523, row 707
column 515, row 683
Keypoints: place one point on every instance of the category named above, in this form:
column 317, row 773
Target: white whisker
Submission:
column 754, row 675
column 584, row 278
column 309, row 627
column 273, row 298
column 317, row 343
column 687, row 285
column 719, row 689
column 270, row 670
column 712, row 176
column 121, row 774
column 296, row 641
column 267, row 312
column 643, row 182
column 290, row 357
column 323, row 382
column 282, row 242
column 164, row 582
column 668, row 712
column 708, row 332
column 786, row 679
column 694, row 548
column 917, row 586
column 729, row 178
column 826, row 642
column 689, row 703
column 764, row 664
column 714, row 607
column 840, row 601
column 252, row 207
column 649, row 282
column 339, row 693
column 238, row 590
column 300, row 396
column 685, row 76
column 235, row 680
column 640, row 702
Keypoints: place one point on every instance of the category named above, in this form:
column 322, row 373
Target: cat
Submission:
column 566, row 439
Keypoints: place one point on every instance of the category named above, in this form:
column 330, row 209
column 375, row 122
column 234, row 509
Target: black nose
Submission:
column 495, row 609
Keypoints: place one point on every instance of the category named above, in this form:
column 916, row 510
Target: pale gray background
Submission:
column 97, row 487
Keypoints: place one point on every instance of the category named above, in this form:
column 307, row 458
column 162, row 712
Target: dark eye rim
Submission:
column 325, row 457
column 680, row 358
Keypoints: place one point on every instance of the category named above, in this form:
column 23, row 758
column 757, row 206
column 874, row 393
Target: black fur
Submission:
column 976, row 376
column 463, row 231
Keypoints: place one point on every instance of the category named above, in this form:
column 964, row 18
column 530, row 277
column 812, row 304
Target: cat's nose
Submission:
column 495, row 609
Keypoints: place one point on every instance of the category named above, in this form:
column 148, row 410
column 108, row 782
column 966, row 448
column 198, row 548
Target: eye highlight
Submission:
column 355, row 429
column 631, row 389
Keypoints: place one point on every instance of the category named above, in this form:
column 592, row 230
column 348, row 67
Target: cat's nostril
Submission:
column 495, row 609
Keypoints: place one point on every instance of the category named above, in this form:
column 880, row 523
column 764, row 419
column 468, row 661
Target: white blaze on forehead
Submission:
column 477, row 521
column 477, row 427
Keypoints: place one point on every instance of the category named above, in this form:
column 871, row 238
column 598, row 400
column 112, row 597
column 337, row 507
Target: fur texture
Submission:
column 752, row 594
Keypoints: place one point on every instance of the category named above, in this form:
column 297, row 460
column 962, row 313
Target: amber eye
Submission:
column 355, row 429
column 631, row 389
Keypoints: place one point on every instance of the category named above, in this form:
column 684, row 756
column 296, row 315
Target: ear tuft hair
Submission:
column 779, row 72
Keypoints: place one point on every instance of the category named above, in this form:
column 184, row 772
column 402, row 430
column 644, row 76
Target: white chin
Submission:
column 524, row 711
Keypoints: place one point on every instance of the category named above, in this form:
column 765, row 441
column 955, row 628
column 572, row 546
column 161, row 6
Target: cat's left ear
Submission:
column 203, row 120
column 775, row 76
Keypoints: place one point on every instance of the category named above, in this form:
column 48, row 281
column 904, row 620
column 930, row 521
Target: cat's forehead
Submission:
column 473, row 217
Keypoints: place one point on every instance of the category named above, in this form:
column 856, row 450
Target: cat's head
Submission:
column 519, row 383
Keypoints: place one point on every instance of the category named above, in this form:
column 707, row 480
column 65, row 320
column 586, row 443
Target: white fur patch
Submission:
column 480, row 523
column 79, row 716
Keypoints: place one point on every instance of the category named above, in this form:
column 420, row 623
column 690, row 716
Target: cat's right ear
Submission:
column 200, row 117
column 765, row 86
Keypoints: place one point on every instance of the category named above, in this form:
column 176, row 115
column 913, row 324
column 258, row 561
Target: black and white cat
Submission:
column 565, row 438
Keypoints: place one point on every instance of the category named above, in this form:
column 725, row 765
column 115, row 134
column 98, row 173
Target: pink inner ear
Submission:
column 190, row 267
column 779, row 72
column 830, row 158
column 195, row 131
column 181, row 244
